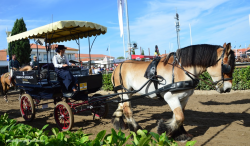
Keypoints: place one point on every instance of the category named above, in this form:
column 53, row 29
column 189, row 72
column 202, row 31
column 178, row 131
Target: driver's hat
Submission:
column 60, row 47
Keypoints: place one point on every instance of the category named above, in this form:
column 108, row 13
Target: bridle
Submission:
column 225, row 68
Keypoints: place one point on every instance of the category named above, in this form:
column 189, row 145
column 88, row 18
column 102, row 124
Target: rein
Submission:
column 212, row 85
column 224, row 69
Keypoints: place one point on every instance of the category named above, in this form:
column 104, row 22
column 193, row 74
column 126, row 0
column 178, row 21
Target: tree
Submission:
column 133, row 51
column 142, row 53
column 22, row 47
column 121, row 57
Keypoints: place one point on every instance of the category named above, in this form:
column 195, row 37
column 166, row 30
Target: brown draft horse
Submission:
column 5, row 80
column 195, row 59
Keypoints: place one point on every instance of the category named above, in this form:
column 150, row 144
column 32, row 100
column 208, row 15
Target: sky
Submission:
column 151, row 22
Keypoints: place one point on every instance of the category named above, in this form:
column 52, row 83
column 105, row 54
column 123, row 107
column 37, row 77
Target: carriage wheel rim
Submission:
column 26, row 108
column 62, row 117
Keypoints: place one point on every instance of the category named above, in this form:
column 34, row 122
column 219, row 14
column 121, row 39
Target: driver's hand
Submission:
column 72, row 64
column 65, row 65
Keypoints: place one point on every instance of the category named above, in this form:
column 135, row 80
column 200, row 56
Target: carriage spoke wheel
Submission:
column 63, row 116
column 27, row 107
column 102, row 108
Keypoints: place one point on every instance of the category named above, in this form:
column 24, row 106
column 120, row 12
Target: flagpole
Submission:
column 129, row 45
column 124, row 47
column 109, row 56
column 236, row 49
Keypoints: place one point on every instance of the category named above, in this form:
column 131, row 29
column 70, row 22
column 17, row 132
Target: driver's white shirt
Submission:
column 60, row 65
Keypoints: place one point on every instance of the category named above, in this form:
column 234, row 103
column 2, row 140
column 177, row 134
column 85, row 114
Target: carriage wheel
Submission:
column 63, row 116
column 27, row 107
column 102, row 110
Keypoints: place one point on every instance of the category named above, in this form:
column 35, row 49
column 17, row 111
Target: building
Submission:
column 70, row 53
column 3, row 58
column 42, row 54
column 85, row 57
column 98, row 60
column 240, row 52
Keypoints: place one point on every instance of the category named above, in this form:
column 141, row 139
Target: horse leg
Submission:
column 117, row 118
column 133, row 126
column 5, row 91
column 181, row 134
column 169, row 126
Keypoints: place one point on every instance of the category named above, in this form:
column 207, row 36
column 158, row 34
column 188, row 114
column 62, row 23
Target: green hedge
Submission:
column 241, row 80
column 12, row 134
column 107, row 84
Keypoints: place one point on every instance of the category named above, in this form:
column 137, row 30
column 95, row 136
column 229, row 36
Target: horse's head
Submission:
column 222, row 71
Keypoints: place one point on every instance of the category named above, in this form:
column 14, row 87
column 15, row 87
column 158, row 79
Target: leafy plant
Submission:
column 21, row 135
column 107, row 84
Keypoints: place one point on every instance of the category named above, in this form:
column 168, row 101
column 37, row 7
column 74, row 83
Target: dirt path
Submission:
column 213, row 118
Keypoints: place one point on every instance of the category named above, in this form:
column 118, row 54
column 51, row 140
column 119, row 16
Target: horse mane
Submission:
column 196, row 55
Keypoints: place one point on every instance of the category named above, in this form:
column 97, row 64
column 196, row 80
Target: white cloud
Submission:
column 212, row 22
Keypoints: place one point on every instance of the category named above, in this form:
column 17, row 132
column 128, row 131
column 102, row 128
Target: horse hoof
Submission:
column 183, row 137
column 164, row 126
column 118, row 123
column 6, row 100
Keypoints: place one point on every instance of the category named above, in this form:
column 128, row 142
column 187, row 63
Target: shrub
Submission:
column 107, row 84
column 21, row 135
column 241, row 80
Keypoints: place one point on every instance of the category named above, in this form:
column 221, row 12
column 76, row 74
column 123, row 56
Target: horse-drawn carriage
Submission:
column 171, row 78
column 37, row 85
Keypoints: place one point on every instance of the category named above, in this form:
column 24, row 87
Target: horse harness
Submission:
column 151, row 75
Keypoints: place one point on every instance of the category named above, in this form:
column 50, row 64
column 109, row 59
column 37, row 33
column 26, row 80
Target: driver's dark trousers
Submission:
column 67, row 78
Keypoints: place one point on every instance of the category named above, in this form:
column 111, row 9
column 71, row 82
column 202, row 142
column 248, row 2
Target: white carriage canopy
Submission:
column 62, row 31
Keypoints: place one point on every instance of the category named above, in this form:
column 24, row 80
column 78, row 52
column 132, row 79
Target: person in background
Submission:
column 60, row 63
column 157, row 53
column 93, row 70
column 13, row 65
column 34, row 64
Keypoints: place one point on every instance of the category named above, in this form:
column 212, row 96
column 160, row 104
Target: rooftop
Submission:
column 33, row 46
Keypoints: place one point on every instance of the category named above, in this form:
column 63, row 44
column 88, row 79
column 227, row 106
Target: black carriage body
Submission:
column 51, row 87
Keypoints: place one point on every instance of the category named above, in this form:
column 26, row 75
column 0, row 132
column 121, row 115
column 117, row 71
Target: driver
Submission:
column 60, row 63
column 13, row 64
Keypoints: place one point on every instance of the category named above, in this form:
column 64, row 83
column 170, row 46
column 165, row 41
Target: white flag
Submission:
column 120, row 14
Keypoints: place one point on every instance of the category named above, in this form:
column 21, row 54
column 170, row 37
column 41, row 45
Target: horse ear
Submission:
column 224, row 45
column 228, row 48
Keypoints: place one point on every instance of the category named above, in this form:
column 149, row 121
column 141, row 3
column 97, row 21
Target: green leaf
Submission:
column 135, row 138
column 155, row 135
column 191, row 143
column 44, row 138
column 4, row 129
column 45, row 126
column 84, row 139
column 114, row 136
column 140, row 132
column 145, row 141
column 60, row 136
column 100, row 135
column 55, row 131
